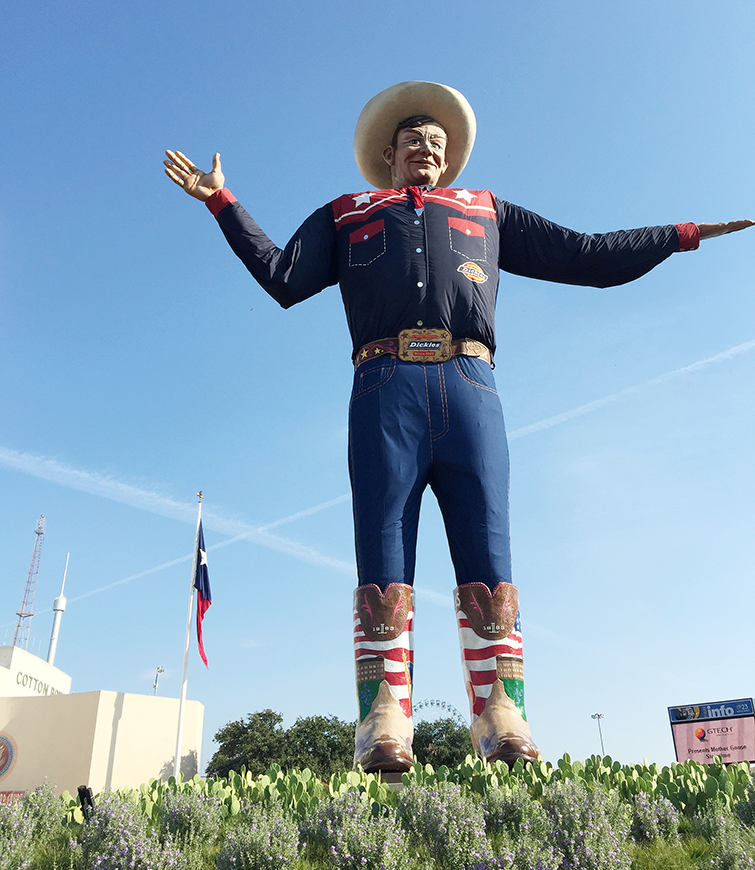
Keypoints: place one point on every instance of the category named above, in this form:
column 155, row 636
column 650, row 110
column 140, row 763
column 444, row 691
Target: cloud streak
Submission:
column 581, row 410
column 108, row 487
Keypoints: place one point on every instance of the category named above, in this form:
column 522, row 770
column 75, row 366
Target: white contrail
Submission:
column 124, row 493
column 581, row 410
column 144, row 499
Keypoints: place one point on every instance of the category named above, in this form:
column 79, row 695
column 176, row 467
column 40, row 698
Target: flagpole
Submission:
column 187, row 642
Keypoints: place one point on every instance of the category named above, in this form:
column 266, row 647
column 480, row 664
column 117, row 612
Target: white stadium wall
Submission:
column 106, row 740
column 24, row 674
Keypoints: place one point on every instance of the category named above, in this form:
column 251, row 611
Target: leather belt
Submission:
column 456, row 347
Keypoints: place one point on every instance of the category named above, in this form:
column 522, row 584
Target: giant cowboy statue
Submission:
column 417, row 261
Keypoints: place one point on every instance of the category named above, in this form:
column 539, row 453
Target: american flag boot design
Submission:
column 384, row 663
column 491, row 656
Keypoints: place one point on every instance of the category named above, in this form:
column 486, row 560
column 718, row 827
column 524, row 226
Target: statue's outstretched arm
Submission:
column 200, row 185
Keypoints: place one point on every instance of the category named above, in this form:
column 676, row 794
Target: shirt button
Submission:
column 419, row 250
column 416, row 222
column 420, row 322
column 469, row 233
column 367, row 237
column 420, row 284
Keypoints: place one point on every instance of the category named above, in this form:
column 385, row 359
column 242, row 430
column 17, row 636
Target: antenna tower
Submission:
column 25, row 613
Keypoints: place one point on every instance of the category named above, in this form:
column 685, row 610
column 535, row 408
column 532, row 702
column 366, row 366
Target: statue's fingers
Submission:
column 734, row 226
column 174, row 158
column 216, row 163
column 185, row 163
column 174, row 177
column 179, row 170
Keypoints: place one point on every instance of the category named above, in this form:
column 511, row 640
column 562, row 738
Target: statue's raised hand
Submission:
column 200, row 185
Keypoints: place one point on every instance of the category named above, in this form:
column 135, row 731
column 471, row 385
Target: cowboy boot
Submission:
column 384, row 662
column 491, row 655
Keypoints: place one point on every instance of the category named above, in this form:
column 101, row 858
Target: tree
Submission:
column 256, row 743
column 442, row 742
column 324, row 744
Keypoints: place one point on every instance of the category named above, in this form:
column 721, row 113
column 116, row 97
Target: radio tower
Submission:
column 21, row 637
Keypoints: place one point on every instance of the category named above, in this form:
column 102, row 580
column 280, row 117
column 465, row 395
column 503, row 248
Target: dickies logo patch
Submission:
column 473, row 272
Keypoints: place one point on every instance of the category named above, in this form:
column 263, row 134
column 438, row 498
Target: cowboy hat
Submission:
column 379, row 118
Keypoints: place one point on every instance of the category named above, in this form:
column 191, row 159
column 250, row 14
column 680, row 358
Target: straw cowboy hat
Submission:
column 379, row 118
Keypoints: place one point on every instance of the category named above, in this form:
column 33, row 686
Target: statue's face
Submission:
column 419, row 156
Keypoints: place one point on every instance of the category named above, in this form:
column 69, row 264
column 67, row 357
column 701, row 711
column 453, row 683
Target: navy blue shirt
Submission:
column 430, row 257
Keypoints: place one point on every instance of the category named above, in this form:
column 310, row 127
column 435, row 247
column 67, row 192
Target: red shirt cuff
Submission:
column 689, row 237
column 221, row 198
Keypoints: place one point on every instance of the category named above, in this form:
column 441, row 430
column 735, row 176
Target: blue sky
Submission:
column 141, row 363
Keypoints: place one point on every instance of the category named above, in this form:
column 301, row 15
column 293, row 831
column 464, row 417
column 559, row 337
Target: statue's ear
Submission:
column 389, row 155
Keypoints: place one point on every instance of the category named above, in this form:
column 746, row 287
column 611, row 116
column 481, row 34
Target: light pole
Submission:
column 157, row 674
column 599, row 716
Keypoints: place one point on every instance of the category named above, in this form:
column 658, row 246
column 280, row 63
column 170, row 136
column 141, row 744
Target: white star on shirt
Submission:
column 465, row 194
column 361, row 199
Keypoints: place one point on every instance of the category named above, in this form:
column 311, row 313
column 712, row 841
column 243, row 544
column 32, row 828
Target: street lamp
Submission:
column 599, row 716
column 157, row 674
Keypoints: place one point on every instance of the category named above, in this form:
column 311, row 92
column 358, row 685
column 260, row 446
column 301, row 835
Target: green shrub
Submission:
column 745, row 809
column 46, row 810
column 16, row 835
column 590, row 828
column 521, row 827
column 354, row 833
column 118, row 836
column 653, row 819
column 449, row 822
column 189, row 816
column 263, row 836
column 733, row 843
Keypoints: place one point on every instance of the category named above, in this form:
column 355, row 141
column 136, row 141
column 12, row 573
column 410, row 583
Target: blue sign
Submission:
column 716, row 710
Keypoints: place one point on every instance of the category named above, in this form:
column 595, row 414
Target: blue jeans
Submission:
column 414, row 424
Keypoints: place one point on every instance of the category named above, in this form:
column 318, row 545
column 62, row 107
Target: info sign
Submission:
column 725, row 728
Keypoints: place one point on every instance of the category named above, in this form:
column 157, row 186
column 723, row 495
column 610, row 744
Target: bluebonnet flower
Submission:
column 590, row 828
column 263, row 837
column 450, row 823
column 357, row 834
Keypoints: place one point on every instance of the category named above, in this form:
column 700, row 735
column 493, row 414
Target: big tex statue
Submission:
column 417, row 262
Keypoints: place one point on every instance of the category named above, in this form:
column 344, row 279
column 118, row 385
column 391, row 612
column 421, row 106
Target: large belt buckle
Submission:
column 424, row 345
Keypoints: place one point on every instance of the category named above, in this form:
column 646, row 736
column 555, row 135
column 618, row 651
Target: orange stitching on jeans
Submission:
column 443, row 402
column 384, row 380
column 455, row 361
column 429, row 420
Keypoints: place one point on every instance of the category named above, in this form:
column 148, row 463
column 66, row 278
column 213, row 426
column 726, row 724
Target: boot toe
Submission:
column 512, row 747
column 387, row 756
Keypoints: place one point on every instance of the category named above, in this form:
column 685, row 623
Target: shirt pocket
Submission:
column 467, row 238
column 367, row 244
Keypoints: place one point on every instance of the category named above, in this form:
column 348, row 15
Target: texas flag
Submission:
column 202, row 585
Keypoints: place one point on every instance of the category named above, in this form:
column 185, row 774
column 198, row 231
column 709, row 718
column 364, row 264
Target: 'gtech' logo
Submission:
column 473, row 272
column 700, row 733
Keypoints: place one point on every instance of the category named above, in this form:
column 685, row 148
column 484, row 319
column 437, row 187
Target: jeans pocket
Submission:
column 475, row 371
column 371, row 375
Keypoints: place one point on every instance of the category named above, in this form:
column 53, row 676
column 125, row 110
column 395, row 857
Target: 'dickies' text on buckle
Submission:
column 424, row 345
